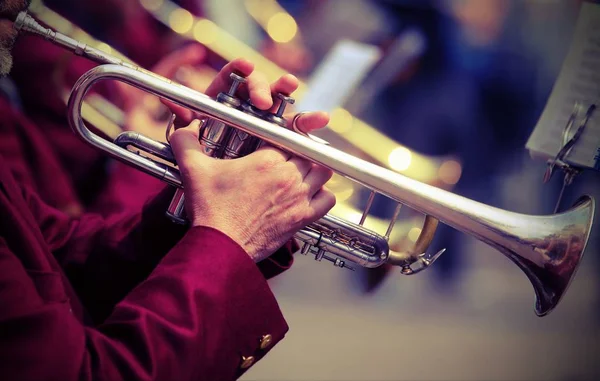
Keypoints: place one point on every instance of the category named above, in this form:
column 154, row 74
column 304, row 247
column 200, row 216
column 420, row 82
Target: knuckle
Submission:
column 293, row 169
column 324, row 173
column 286, row 181
column 305, row 189
column 302, row 214
column 330, row 199
column 309, row 215
column 268, row 159
column 264, row 166
column 266, row 163
column 293, row 173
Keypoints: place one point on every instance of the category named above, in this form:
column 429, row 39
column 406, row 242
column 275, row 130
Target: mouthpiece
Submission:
column 26, row 23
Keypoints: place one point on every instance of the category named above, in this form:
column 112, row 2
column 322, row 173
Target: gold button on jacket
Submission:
column 265, row 341
column 247, row 362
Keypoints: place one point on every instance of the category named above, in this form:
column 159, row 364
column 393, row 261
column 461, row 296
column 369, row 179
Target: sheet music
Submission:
column 334, row 80
column 578, row 81
column 407, row 47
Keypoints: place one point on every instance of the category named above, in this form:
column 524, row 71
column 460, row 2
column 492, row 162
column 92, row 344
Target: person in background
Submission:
column 85, row 179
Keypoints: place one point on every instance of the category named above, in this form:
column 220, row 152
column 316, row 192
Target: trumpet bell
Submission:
column 553, row 251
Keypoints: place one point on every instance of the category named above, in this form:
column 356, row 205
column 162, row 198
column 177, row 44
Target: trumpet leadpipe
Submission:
column 25, row 23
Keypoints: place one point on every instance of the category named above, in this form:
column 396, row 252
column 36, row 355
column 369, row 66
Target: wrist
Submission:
column 231, row 233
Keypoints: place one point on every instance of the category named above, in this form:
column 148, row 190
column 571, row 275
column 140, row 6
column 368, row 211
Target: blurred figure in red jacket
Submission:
column 97, row 184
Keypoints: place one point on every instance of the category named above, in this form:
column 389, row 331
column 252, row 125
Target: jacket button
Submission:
column 266, row 341
column 247, row 362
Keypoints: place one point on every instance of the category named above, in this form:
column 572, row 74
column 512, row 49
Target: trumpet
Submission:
column 108, row 119
column 547, row 248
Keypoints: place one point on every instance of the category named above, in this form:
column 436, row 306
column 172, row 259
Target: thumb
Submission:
column 186, row 147
column 307, row 122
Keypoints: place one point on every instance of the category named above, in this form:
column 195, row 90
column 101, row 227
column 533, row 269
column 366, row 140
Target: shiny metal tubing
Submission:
column 371, row 255
column 371, row 251
column 25, row 23
column 135, row 139
column 548, row 249
column 501, row 229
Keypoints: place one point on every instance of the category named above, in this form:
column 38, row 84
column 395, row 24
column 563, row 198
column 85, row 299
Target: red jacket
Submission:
column 123, row 297
column 34, row 160
column 40, row 64
column 97, row 298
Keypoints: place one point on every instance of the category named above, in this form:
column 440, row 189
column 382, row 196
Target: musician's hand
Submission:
column 260, row 200
column 258, row 90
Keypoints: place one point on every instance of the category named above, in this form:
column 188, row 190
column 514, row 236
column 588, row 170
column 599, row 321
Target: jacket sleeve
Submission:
column 199, row 314
column 280, row 261
column 104, row 258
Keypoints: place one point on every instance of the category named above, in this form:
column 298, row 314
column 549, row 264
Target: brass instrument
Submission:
column 110, row 120
column 548, row 249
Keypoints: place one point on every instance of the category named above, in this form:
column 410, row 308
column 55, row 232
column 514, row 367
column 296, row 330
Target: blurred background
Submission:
column 446, row 92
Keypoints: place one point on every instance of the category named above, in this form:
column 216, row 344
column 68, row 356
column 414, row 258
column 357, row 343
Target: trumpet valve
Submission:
column 215, row 135
column 229, row 97
column 277, row 117
column 241, row 143
column 321, row 254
